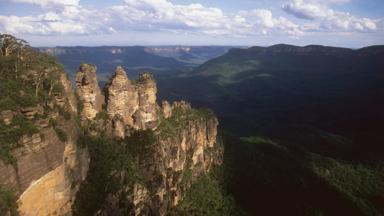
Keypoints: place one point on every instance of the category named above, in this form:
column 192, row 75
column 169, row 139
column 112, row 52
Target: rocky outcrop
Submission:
column 146, row 117
column 122, row 97
column 184, row 146
column 134, row 102
column 30, row 112
column 178, row 160
column 166, row 108
column 88, row 91
column 7, row 116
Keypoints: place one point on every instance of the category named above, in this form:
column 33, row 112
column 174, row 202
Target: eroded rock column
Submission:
column 88, row 91
column 146, row 117
column 122, row 97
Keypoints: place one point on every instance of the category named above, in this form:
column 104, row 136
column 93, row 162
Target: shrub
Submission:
column 109, row 157
column 103, row 115
column 65, row 113
column 10, row 134
column 8, row 202
column 61, row 134
column 179, row 120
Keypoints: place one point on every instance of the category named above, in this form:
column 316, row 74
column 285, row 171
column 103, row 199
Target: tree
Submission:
column 11, row 45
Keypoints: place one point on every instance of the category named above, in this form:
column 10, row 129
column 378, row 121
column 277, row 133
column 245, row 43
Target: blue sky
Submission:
column 348, row 23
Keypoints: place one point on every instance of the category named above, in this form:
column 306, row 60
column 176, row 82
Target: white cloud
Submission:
column 164, row 16
column 328, row 19
column 69, row 17
column 306, row 10
column 263, row 20
column 68, row 20
column 145, row 15
column 46, row 3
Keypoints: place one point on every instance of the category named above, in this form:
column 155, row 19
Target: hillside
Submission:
column 189, row 54
column 331, row 89
column 313, row 100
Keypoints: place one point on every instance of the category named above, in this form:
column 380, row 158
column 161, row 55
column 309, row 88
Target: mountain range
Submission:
column 161, row 59
column 303, row 125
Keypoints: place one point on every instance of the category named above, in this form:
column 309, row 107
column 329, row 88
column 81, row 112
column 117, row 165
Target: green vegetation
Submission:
column 114, row 164
column 321, row 100
column 8, row 202
column 10, row 134
column 65, row 113
column 227, row 71
column 80, row 105
column 27, row 78
column 360, row 183
column 59, row 132
column 179, row 120
column 206, row 197
column 103, row 115
column 307, row 183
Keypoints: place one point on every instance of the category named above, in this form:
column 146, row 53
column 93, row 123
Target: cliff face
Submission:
column 48, row 168
column 178, row 156
column 165, row 149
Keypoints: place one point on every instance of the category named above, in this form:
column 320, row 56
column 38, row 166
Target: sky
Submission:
column 345, row 23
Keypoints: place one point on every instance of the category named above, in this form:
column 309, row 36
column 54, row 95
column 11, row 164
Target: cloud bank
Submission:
column 69, row 17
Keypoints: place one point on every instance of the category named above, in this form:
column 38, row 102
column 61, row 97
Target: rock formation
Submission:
column 88, row 91
column 133, row 102
column 146, row 116
column 185, row 145
column 122, row 97
column 184, row 148
column 177, row 160
column 51, row 163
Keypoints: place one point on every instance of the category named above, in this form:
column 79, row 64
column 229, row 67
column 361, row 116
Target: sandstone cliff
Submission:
column 48, row 166
column 184, row 148
column 155, row 153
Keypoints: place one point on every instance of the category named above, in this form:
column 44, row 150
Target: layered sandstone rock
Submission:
column 146, row 117
column 7, row 116
column 54, row 192
column 122, row 97
column 88, row 91
column 134, row 102
column 47, row 171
